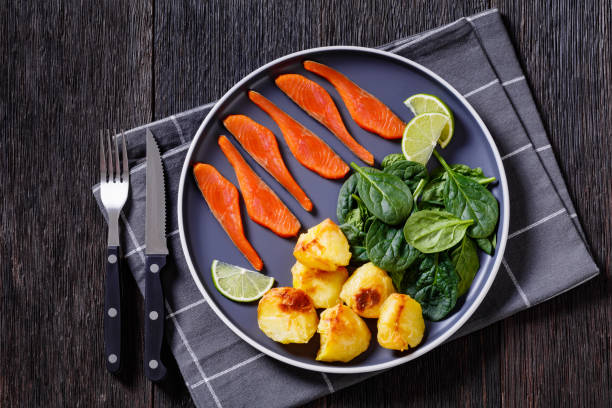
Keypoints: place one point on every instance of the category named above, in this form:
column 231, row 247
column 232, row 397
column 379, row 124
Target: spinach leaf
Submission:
column 354, row 234
column 354, row 218
column 387, row 247
column 397, row 278
column 409, row 172
column 468, row 200
column 426, row 205
column 346, row 201
column 365, row 213
column 434, row 190
column 385, row 195
column 432, row 231
column 466, row 263
column 410, row 278
column 368, row 222
column 487, row 244
column 432, row 281
column 405, row 281
column 392, row 158
column 359, row 255
column 358, row 216
column 475, row 174
column 356, row 238
column 355, row 227
column 418, row 190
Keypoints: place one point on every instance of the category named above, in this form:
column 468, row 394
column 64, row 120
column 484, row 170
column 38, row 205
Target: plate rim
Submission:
column 417, row 352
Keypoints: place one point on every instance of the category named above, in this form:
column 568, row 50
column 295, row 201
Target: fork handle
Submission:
column 154, row 318
column 112, row 310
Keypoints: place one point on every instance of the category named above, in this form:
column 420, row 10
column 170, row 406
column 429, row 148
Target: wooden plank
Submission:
column 219, row 43
column 559, row 353
column 71, row 70
column 373, row 23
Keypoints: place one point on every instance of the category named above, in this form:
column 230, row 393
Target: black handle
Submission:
column 112, row 311
column 154, row 318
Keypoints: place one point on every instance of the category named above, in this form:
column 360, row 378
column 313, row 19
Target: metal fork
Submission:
column 114, row 187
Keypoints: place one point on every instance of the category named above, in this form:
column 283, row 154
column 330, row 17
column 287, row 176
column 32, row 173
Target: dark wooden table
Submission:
column 70, row 69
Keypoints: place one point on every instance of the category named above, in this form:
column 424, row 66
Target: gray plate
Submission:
column 392, row 79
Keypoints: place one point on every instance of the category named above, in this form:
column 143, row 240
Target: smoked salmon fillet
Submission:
column 264, row 207
column 317, row 102
column 369, row 113
column 307, row 147
column 222, row 199
column 261, row 144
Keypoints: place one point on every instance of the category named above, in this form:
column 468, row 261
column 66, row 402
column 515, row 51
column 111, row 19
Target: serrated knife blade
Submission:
column 155, row 220
column 155, row 259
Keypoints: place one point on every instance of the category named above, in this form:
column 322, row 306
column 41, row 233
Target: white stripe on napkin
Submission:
column 192, row 354
column 535, row 224
column 482, row 88
column 515, row 282
column 514, row 80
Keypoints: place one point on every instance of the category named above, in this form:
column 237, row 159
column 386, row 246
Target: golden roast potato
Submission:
column 401, row 323
column 366, row 290
column 323, row 246
column 287, row 315
column 344, row 335
column 323, row 287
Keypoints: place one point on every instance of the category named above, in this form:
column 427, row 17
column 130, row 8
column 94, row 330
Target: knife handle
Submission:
column 154, row 318
column 112, row 311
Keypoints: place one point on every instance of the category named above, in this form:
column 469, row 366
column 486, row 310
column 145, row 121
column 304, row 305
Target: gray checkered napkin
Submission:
column 546, row 253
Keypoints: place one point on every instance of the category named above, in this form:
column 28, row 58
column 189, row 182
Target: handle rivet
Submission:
column 112, row 258
column 112, row 358
column 153, row 364
column 153, row 315
column 112, row 312
column 154, row 268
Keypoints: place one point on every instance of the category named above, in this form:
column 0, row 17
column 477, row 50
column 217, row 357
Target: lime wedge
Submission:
column 421, row 135
column 425, row 103
column 239, row 284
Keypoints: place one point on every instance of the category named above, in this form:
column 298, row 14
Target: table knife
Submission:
column 155, row 260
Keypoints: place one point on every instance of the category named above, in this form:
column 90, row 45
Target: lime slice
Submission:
column 425, row 103
column 239, row 284
column 421, row 135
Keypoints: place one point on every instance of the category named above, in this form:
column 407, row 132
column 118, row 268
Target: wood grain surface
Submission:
column 70, row 69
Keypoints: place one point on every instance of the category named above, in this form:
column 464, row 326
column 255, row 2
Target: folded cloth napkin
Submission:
column 546, row 253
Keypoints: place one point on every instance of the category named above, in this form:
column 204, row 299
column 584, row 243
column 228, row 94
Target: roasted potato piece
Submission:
column 366, row 290
column 344, row 335
column 401, row 324
column 287, row 315
column 323, row 287
column 323, row 246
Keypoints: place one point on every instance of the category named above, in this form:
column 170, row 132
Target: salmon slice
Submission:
column 307, row 147
column 222, row 199
column 369, row 113
column 264, row 207
column 261, row 144
column 317, row 102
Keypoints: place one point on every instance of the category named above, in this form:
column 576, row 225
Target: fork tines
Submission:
column 109, row 171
